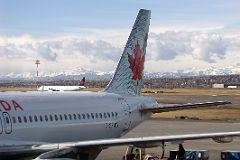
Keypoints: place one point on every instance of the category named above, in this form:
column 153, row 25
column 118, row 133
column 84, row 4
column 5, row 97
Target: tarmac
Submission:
column 159, row 127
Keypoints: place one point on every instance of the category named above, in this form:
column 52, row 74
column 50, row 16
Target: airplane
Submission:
column 79, row 125
column 63, row 88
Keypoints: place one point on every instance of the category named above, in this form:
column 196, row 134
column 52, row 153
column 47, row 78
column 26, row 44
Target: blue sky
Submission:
column 54, row 16
column 210, row 31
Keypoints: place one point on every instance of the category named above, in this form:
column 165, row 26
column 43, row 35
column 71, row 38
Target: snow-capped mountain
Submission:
column 78, row 73
column 195, row 72
column 74, row 74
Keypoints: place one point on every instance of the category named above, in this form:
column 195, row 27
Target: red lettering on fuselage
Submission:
column 6, row 106
column 16, row 105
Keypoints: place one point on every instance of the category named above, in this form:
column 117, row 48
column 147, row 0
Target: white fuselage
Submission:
column 60, row 88
column 68, row 116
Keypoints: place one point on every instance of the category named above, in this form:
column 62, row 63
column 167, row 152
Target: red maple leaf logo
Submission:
column 136, row 62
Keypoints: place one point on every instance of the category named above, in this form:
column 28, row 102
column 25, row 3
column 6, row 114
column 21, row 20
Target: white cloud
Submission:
column 50, row 49
column 204, row 46
column 45, row 51
column 95, row 50
column 208, row 47
column 168, row 47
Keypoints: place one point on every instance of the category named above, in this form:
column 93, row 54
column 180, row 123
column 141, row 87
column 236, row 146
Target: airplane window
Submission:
column 19, row 119
column 112, row 114
column 88, row 116
column 105, row 115
column 100, row 115
column 74, row 116
column 51, row 118
column 46, row 118
column 56, row 118
column 65, row 116
column 25, row 119
column 30, row 119
column 60, row 116
column 70, row 116
column 35, row 118
column 40, row 117
column 96, row 115
column 7, row 120
column 108, row 115
column 79, row 116
column 92, row 115
column 14, row 119
column 116, row 114
column 83, row 115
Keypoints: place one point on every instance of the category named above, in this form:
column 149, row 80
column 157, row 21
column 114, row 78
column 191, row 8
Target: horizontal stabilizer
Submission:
column 175, row 107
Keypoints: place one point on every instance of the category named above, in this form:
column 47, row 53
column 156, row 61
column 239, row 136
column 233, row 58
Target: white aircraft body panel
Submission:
column 60, row 88
column 63, row 88
column 62, row 103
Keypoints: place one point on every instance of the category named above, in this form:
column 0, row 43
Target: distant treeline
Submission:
column 164, row 82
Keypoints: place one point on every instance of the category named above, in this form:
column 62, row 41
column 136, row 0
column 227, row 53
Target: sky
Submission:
column 70, row 34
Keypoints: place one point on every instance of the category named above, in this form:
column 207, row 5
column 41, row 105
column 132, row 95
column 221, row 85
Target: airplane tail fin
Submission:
column 82, row 82
column 128, row 75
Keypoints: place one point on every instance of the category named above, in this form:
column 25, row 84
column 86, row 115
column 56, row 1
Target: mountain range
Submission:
column 78, row 73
